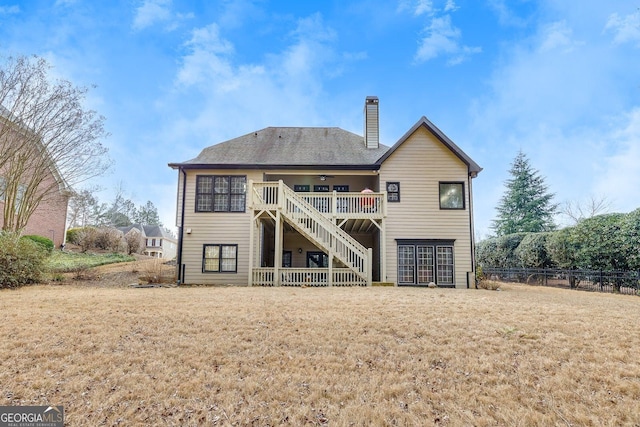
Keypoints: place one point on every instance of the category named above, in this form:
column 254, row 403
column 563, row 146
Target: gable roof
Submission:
column 309, row 148
column 474, row 168
column 147, row 231
column 287, row 148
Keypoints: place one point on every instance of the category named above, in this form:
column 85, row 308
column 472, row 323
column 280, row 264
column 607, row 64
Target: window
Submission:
column 451, row 195
column 286, row 259
column 445, row 264
column 220, row 259
column 393, row 192
column 321, row 188
column 317, row 260
column 215, row 193
column 423, row 261
column 301, row 188
column 341, row 188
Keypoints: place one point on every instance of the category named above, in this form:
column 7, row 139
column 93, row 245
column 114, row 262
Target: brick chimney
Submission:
column 371, row 123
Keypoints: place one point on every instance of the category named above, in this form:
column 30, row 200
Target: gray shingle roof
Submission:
column 287, row 147
column 290, row 146
column 147, row 231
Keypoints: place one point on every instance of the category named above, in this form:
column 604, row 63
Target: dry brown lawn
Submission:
column 525, row 356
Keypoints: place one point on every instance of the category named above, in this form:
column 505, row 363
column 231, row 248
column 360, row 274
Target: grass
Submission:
column 64, row 262
column 525, row 356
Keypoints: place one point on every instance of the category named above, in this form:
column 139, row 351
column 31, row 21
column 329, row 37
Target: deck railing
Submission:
column 264, row 276
column 332, row 205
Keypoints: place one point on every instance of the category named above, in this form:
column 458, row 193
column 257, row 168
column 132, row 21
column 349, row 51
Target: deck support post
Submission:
column 277, row 256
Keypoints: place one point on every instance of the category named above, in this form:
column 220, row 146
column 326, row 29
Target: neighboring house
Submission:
column 49, row 218
column 323, row 206
column 156, row 241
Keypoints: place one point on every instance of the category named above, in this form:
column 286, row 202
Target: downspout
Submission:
column 181, row 228
column 472, row 234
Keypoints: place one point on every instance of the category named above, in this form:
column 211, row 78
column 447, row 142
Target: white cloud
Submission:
column 620, row 175
column 442, row 38
column 152, row 12
column 506, row 16
column 227, row 97
column 423, row 6
column 450, row 6
column 556, row 96
column 557, row 35
column 625, row 29
column 9, row 10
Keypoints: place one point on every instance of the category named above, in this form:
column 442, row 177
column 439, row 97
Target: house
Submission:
column 325, row 207
column 157, row 242
column 17, row 144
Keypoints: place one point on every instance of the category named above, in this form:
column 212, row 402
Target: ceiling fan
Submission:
column 324, row 177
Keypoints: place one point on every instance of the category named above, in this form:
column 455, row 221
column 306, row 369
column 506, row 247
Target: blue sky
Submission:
column 558, row 80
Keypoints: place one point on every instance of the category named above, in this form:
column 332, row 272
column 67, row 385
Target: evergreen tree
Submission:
column 148, row 214
column 527, row 205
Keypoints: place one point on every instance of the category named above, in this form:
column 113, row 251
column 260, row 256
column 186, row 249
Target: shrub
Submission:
column 155, row 272
column 74, row 235
column 506, row 248
column 562, row 248
column 486, row 251
column 630, row 229
column 601, row 243
column 133, row 241
column 86, row 238
column 490, row 285
column 532, row 251
column 43, row 241
column 21, row 261
column 108, row 239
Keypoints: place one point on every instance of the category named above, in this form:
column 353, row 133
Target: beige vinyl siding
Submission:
column 214, row 228
column 179, row 199
column 420, row 164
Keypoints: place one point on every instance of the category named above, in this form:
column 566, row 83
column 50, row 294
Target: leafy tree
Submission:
column 148, row 215
column 527, row 205
column 44, row 131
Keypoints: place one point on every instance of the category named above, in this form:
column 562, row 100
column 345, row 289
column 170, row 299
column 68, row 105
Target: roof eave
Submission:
column 374, row 166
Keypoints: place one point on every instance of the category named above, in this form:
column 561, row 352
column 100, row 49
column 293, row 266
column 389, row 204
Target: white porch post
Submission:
column 330, row 278
column 370, row 262
column 383, row 251
column 277, row 256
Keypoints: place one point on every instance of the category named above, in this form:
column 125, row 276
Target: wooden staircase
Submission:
column 325, row 234
column 314, row 226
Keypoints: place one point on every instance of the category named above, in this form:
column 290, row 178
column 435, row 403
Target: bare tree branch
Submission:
column 49, row 142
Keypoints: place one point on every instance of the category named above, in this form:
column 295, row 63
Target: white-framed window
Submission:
column 422, row 261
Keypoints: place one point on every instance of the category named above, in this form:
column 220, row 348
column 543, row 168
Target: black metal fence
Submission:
column 623, row 282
